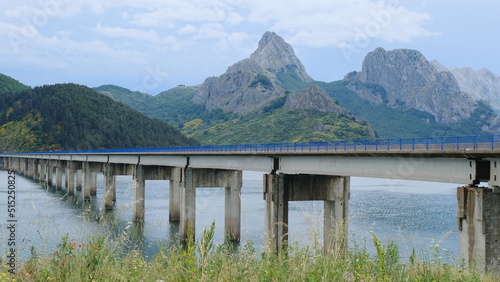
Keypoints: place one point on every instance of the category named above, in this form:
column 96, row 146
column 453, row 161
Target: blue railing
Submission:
column 391, row 144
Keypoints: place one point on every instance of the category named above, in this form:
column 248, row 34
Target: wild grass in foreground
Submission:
column 99, row 260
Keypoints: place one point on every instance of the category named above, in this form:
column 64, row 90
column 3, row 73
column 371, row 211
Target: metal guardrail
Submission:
column 391, row 144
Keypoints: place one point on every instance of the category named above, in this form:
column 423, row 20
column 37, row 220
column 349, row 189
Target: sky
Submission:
column 154, row 45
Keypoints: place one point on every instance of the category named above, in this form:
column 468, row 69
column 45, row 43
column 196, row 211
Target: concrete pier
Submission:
column 90, row 170
column 79, row 178
column 197, row 178
column 109, row 186
column 140, row 193
column 59, row 169
column 478, row 215
column 70, row 178
column 174, row 213
column 279, row 189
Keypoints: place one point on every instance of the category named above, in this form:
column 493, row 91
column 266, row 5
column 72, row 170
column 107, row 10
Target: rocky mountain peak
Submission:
column 406, row 77
column 274, row 54
column 253, row 83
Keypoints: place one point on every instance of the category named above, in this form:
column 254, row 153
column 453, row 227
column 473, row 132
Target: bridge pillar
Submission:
column 479, row 224
column 109, row 186
column 140, row 192
column 50, row 171
column 24, row 167
column 70, row 178
column 79, row 178
column 232, row 213
column 59, row 169
column 188, row 205
column 93, row 183
column 197, row 177
column 174, row 208
column 279, row 189
column 66, row 175
column 90, row 184
column 29, row 167
column 143, row 173
column 43, row 171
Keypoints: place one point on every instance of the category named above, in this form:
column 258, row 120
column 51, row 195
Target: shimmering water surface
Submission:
column 414, row 214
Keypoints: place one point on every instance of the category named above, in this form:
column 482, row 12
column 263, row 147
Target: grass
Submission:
column 102, row 259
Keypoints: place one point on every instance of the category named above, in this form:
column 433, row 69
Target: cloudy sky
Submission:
column 154, row 45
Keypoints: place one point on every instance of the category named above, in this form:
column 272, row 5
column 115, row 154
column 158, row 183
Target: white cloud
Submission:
column 187, row 29
column 319, row 23
column 70, row 33
column 131, row 33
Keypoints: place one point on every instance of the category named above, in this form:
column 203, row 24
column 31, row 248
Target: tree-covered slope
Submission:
column 278, row 125
column 393, row 121
column 9, row 84
column 75, row 117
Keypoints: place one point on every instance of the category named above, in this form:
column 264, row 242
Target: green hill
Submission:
column 75, row 117
column 9, row 84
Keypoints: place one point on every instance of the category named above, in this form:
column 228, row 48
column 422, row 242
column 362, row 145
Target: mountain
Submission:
column 267, row 97
column 479, row 84
column 298, row 116
column 397, row 93
column 406, row 77
column 255, row 82
column 75, row 117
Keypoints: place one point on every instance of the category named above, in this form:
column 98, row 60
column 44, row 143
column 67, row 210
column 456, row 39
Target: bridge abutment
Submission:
column 478, row 215
column 279, row 189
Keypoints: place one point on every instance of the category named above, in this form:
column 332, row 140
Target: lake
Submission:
column 413, row 214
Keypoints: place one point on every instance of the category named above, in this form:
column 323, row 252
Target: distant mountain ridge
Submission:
column 75, row 117
column 269, row 97
column 399, row 93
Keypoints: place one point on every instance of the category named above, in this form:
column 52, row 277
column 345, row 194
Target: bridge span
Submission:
column 301, row 171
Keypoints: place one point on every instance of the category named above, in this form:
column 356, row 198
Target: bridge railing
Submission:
column 390, row 144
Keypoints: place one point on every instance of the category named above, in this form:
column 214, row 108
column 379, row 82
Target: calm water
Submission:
column 414, row 214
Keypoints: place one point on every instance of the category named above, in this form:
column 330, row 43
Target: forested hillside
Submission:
column 75, row 117
column 401, row 121
column 9, row 84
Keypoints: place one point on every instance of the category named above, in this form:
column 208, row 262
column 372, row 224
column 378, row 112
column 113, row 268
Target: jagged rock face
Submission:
column 239, row 92
column 274, row 54
column 251, row 84
column 314, row 98
column 409, row 78
column 479, row 84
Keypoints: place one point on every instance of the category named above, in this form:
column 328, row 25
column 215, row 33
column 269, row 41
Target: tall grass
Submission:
column 101, row 259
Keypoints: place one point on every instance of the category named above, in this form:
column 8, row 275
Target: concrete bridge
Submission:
column 302, row 171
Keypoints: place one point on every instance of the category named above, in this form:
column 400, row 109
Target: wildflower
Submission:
column 96, row 247
column 82, row 245
column 74, row 244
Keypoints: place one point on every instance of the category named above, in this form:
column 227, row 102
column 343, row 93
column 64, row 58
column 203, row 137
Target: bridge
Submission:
column 300, row 171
